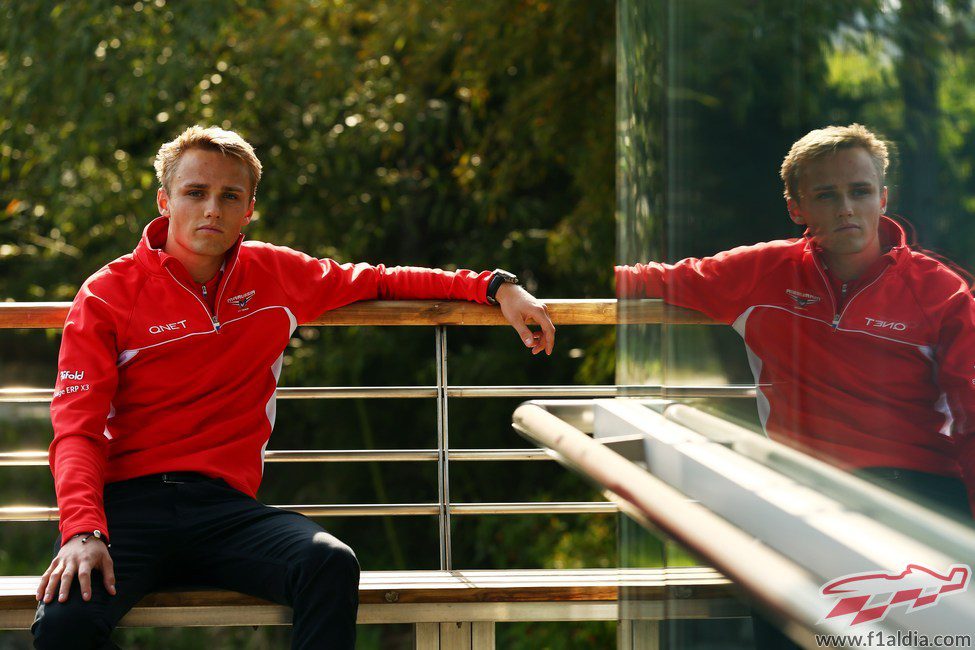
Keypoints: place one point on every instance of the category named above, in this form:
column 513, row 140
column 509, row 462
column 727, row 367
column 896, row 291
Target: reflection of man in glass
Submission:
column 864, row 347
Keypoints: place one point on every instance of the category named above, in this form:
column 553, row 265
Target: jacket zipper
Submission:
column 854, row 296
column 226, row 281
column 212, row 317
column 838, row 314
column 836, row 318
column 829, row 290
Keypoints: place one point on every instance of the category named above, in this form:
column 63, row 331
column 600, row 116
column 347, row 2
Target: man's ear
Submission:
column 162, row 201
column 250, row 213
column 795, row 212
column 883, row 200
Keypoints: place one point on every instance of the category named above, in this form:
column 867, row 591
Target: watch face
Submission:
column 500, row 277
column 506, row 276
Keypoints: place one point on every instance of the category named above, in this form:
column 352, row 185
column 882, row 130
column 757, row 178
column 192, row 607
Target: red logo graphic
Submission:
column 870, row 595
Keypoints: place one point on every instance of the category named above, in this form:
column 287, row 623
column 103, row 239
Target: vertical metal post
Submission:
column 443, row 469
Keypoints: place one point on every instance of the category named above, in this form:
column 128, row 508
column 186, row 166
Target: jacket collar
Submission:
column 893, row 240
column 149, row 252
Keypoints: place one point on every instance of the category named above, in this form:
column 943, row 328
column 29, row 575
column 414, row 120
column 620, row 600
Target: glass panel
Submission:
column 675, row 614
column 858, row 322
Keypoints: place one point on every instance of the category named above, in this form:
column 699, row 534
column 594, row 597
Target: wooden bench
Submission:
column 450, row 609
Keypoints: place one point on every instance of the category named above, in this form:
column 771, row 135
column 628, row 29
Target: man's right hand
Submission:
column 77, row 558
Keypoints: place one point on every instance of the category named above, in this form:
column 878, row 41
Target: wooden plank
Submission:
column 369, row 614
column 388, row 588
column 411, row 613
column 638, row 634
column 33, row 314
column 384, row 595
column 646, row 635
column 455, row 636
column 508, row 612
column 482, row 635
column 426, row 636
column 428, row 312
column 624, row 634
column 601, row 311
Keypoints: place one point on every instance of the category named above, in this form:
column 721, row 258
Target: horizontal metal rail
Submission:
column 579, row 392
column 497, row 454
column 534, row 508
column 357, row 392
column 44, row 395
column 51, row 315
column 39, row 458
column 45, row 513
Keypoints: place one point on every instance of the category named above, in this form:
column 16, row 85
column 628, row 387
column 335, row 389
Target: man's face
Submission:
column 208, row 203
column 840, row 202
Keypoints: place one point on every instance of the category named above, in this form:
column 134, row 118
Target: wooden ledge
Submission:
column 389, row 587
column 435, row 596
column 51, row 315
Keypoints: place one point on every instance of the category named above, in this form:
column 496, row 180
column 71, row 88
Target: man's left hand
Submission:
column 520, row 308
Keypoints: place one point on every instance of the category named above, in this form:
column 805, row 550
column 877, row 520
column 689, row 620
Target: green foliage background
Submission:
column 468, row 135
column 455, row 134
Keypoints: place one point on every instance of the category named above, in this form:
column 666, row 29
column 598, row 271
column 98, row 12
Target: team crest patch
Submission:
column 241, row 300
column 800, row 299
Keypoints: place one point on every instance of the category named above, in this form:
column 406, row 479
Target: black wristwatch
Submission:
column 500, row 277
column 95, row 534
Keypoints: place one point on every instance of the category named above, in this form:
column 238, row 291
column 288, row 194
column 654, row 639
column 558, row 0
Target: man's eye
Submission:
column 196, row 193
column 861, row 191
column 231, row 196
column 825, row 195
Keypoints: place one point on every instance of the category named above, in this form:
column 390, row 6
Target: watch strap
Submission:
column 95, row 534
column 499, row 278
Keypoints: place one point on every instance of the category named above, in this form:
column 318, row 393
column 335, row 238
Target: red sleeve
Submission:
column 955, row 362
column 83, row 391
column 718, row 286
column 316, row 286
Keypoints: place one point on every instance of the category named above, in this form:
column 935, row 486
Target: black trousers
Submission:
column 179, row 530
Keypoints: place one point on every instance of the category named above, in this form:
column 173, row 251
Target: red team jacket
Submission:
column 151, row 380
column 876, row 373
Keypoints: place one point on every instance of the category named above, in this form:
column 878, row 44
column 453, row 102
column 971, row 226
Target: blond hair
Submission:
column 211, row 138
column 826, row 141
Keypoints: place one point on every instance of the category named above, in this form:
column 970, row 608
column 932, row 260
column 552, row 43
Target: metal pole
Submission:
column 43, row 395
column 443, row 469
column 46, row 513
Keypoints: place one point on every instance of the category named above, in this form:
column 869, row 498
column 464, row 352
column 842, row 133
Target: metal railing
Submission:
column 439, row 315
column 778, row 523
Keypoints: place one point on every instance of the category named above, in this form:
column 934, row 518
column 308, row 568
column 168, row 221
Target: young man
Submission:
column 864, row 348
column 164, row 404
